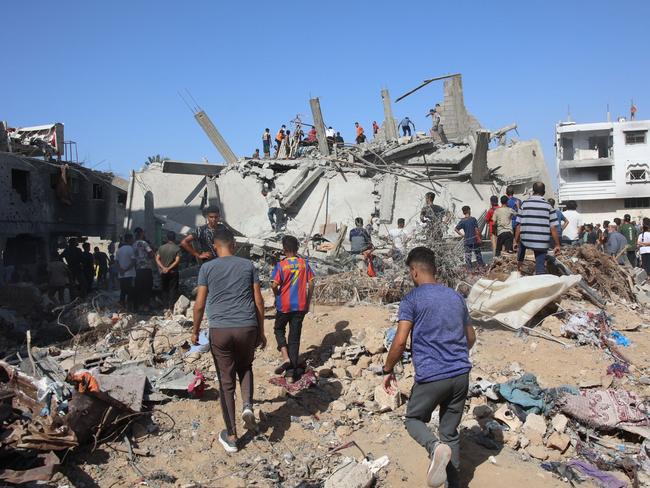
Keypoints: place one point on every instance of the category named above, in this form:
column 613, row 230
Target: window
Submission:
column 604, row 173
column 637, row 175
column 635, row 136
column 637, row 202
column 121, row 198
column 20, row 183
column 74, row 185
column 98, row 191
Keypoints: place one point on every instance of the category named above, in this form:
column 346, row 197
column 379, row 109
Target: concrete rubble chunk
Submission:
column 537, row 452
column 508, row 417
column 558, row 441
column 386, row 401
column 535, row 423
column 350, row 475
column 181, row 305
column 640, row 276
column 560, row 423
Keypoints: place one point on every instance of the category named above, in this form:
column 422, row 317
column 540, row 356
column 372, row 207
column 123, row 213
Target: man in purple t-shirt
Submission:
column 436, row 317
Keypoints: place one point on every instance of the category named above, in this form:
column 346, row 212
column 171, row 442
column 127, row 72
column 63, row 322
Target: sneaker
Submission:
column 282, row 368
column 248, row 417
column 297, row 374
column 228, row 445
column 437, row 474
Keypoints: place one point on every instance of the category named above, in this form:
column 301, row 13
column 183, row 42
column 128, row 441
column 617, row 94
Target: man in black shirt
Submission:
column 101, row 260
column 203, row 236
column 74, row 259
column 88, row 266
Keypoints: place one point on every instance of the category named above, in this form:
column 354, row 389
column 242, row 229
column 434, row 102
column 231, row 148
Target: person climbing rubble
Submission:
column 276, row 212
column 204, row 236
column 437, row 130
column 535, row 221
column 406, row 125
column 471, row 238
column 230, row 288
column 361, row 137
column 293, row 286
column 437, row 320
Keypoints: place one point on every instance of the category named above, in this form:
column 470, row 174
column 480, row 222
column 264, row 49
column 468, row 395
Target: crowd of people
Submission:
column 284, row 140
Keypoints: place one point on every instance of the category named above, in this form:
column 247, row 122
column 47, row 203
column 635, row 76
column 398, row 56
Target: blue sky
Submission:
column 111, row 70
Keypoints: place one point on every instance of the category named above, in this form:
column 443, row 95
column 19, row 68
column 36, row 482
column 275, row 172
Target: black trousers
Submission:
column 504, row 240
column 645, row 262
column 406, row 130
column 143, row 287
column 294, row 319
column 631, row 257
column 169, row 286
column 126, row 291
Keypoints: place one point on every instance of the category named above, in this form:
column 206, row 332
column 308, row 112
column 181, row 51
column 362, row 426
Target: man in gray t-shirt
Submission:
column 231, row 289
column 230, row 300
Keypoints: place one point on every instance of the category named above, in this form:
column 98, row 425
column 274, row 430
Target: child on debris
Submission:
column 471, row 237
column 231, row 289
column 293, row 285
column 437, row 320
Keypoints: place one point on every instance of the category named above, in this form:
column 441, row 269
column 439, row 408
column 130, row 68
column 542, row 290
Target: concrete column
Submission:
column 320, row 126
column 390, row 128
column 149, row 217
column 215, row 136
column 479, row 158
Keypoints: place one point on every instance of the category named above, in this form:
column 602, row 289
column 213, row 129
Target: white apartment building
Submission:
column 605, row 168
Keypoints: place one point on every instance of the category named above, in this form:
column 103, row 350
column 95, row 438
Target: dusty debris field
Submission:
column 297, row 433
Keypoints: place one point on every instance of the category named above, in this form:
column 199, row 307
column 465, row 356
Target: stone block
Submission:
column 639, row 275
column 559, row 423
column 387, row 401
column 537, row 452
column 535, row 423
column 181, row 305
column 558, row 441
column 351, row 475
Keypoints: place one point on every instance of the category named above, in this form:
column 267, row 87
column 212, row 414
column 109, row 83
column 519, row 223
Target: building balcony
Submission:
column 587, row 190
column 585, row 163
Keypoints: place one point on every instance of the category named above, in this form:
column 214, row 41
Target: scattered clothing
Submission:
column 606, row 409
column 618, row 370
column 526, row 392
column 197, row 387
column 605, row 480
column 306, row 380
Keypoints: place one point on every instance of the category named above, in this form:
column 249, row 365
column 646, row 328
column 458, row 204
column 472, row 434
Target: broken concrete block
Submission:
column 535, row 423
column 553, row 325
column 558, row 441
column 560, row 423
column 181, row 305
column 386, row 401
column 338, row 406
column 537, row 452
column 351, row 475
column 639, row 275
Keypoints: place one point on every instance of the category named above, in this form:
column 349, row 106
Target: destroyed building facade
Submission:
column 46, row 199
column 604, row 167
column 385, row 178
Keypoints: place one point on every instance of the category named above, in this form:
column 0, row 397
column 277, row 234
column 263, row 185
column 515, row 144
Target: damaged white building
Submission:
column 386, row 177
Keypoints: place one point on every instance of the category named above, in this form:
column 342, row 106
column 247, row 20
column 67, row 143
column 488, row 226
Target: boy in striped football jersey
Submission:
column 293, row 286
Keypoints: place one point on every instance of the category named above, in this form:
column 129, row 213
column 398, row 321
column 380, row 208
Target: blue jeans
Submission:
column 540, row 258
column 476, row 249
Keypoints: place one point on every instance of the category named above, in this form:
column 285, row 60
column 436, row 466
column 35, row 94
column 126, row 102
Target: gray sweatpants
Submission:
column 450, row 394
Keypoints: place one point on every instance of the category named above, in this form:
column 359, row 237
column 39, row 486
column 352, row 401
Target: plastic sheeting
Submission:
column 515, row 301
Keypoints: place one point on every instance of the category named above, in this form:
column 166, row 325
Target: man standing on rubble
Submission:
column 535, row 221
column 88, row 265
column 437, row 130
column 489, row 219
column 471, row 238
column 575, row 227
column 628, row 229
column 266, row 143
column 360, row 240
column 125, row 260
column 437, row 320
column 74, row 259
column 230, row 287
column 279, row 137
column 616, row 244
column 204, row 236
column 101, row 261
column 293, row 285
column 434, row 217
column 168, row 258
column 361, row 137
column 399, row 238
column 406, row 125
column 375, row 128
column 143, row 271
column 503, row 226
column 514, row 203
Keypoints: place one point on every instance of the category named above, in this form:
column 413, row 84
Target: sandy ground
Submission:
column 298, row 432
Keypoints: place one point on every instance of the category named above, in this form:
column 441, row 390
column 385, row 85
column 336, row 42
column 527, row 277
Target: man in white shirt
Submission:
column 400, row 238
column 125, row 258
column 575, row 227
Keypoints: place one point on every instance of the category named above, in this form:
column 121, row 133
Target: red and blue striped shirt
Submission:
column 293, row 275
